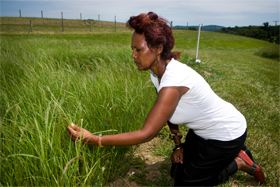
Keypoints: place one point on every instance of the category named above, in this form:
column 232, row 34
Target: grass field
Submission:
column 51, row 78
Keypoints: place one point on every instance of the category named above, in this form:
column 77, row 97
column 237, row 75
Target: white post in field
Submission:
column 197, row 60
column 115, row 23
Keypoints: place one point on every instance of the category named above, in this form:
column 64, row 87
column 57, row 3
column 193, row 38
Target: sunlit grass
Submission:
column 48, row 81
column 42, row 90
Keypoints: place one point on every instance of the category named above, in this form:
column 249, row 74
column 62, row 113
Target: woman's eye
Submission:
column 138, row 50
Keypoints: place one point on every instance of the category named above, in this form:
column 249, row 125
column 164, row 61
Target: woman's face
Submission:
column 143, row 56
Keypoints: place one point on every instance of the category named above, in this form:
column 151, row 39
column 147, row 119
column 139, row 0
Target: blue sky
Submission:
column 227, row 13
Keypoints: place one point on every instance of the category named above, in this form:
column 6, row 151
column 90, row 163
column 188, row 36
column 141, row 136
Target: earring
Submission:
column 157, row 62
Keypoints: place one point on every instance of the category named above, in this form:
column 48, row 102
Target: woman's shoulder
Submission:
column 176, row 68
column 178, row 74
column 174, row 62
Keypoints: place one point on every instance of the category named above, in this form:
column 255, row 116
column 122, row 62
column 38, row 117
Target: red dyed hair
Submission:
column 156, row 31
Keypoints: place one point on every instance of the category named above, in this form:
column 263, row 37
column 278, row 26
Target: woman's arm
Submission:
column 163, row 108
column 177, row 154
column 174, row 129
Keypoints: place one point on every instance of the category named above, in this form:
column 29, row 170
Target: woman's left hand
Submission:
column 177, row 156
column 81, row 134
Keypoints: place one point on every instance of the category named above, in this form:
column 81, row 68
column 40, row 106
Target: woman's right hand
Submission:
column 177, row 156
column 81, row 134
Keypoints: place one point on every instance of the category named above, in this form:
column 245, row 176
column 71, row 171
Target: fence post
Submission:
column 80, row 16
column 90, row 27
column 62, row 21
column 42, row 13
column 115, row 23
column 31, row 25
column 20, row 13
column 196, row 60
column 187, row 25
column 98, row 17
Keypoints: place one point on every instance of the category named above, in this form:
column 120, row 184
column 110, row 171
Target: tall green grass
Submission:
column 48, row 81
column 272, row 52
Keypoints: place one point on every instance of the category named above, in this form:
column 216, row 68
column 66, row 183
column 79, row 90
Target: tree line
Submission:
column 265, row 32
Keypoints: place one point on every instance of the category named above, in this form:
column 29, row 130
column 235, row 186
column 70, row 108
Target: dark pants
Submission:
column 206, row 162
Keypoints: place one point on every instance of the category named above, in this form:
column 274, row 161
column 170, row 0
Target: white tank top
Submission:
column 200, row 108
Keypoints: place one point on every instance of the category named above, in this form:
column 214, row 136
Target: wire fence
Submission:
column 27, row 24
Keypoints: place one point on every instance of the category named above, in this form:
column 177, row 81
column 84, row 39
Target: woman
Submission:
column 214, row 147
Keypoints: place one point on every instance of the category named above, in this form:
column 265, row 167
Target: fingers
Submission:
column 182, row 156
column 72, row 128
column 180, row 159
column 71, row 137
column 75, row 127
column 177, row 157
column 72, row 132
column 76, row 132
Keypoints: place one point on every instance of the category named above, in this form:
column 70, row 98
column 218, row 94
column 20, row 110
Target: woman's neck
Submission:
column 161, row 67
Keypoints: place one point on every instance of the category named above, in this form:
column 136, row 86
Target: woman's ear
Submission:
column 160, row 49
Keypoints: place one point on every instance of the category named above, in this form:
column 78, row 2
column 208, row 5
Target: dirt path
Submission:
column 147, row 166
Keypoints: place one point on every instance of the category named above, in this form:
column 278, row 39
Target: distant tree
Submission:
column 265, row 26
column 277, row 34
column 264, row 32
column 193, row 28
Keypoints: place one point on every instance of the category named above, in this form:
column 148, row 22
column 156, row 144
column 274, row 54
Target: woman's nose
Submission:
column 133, row 54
